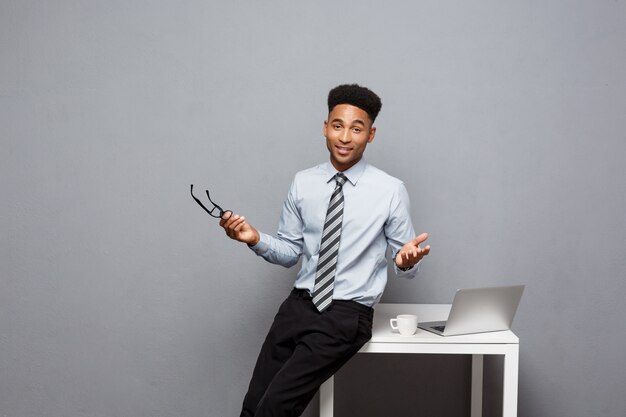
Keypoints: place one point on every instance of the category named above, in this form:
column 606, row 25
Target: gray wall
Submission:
column 119, row 297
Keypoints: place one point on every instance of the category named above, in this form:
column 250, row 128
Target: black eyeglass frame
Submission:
column 220, row 211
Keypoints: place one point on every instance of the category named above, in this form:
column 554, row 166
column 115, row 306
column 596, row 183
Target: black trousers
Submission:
column 302, row 350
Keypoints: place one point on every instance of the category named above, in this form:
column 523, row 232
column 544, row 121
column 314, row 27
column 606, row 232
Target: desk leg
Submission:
column 327, row 397
column 511, row 373
column 477, row 386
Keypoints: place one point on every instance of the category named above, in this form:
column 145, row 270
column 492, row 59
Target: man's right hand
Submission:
column 237, row 228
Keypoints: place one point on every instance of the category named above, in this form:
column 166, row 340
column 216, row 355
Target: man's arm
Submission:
column 401, row 234
column 285, row 248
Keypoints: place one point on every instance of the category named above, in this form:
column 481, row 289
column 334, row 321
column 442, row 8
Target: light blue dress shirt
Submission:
column 376, row 214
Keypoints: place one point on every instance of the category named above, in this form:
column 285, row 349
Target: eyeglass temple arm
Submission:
column 200, row 202
column 218, row 207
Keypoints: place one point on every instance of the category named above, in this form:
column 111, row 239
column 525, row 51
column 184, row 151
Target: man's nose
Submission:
column 345, row 137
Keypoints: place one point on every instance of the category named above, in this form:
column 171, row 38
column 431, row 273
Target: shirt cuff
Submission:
column 412, row 269
column 262, row 245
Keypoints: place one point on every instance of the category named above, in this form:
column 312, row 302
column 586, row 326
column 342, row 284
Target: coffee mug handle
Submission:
column 394, row 324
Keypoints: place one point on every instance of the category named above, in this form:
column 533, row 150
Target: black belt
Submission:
column 304, row 294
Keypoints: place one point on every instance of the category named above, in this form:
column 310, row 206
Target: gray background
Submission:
column 120, row 297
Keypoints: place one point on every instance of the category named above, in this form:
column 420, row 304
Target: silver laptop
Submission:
column 479, row 310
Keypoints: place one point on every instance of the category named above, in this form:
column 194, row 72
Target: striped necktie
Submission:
column 327, row 263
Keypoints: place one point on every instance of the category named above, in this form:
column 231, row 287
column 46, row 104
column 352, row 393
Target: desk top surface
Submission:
column 382, row 332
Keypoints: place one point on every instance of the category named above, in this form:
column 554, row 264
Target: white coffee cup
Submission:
column 406, row 324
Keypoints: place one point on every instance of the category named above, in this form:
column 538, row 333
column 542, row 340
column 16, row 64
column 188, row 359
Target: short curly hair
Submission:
column 355, row 95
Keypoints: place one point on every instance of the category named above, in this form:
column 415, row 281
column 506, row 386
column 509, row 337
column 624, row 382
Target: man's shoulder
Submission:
column 378, row 175
column 319, row 170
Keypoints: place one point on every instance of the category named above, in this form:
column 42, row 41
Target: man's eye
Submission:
column 356, row 130
column 337, row 126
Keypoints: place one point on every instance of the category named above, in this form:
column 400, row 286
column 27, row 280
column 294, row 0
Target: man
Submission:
column 339, row 216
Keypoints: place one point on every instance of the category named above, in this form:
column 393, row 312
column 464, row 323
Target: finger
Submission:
column 232, row 219
column 421, row 238
column 223, row 221
column 226, row 220
column 240, row 225
column 236, row 223
column 228, row 226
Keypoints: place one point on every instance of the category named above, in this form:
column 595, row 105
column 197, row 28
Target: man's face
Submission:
column 348, row 130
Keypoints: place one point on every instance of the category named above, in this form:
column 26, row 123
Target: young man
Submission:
column 339, row 216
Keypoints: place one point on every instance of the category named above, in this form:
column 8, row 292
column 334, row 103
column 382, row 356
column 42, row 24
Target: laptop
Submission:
column 479, row 310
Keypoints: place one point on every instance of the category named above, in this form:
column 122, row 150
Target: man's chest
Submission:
column 363, row 207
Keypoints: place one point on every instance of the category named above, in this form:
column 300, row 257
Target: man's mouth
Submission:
column 343, row 150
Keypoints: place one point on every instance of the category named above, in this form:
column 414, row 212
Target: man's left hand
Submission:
column 411, row 253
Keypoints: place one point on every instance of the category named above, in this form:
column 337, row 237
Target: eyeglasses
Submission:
column 216, row 211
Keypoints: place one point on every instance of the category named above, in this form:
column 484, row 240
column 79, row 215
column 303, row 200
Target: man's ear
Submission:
column 372, row 134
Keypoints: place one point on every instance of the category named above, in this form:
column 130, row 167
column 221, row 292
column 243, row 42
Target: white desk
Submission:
column 385, row 340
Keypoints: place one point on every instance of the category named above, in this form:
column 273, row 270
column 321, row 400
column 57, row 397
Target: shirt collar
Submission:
column 353, row 174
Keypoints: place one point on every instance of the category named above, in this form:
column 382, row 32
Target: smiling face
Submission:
column 348, row 130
